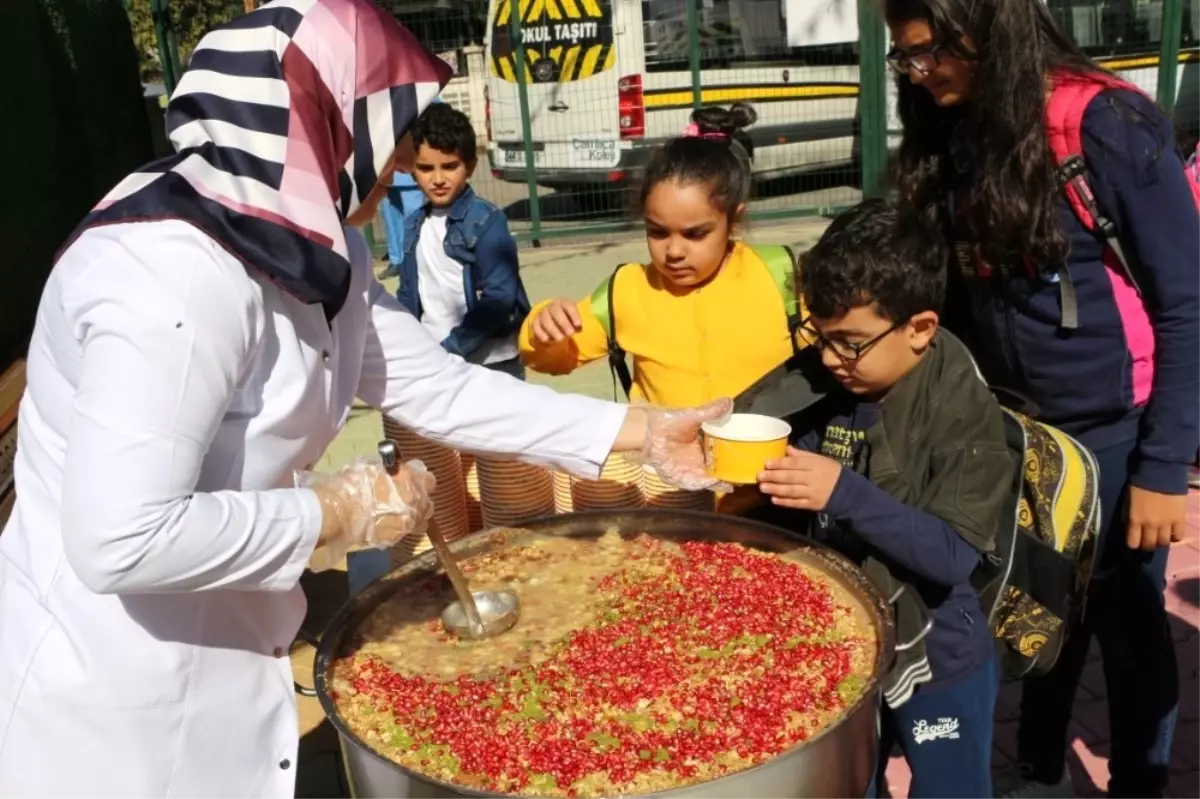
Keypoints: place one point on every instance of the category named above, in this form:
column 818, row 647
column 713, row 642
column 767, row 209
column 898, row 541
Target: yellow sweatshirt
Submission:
column 687, row 348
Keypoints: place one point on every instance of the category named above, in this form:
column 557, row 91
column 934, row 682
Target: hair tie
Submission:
column 692, row 131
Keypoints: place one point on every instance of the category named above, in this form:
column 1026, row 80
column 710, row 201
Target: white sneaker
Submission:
column 1016, row 782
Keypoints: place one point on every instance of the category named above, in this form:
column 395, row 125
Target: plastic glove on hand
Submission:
column 362, row 506
column 674, row 448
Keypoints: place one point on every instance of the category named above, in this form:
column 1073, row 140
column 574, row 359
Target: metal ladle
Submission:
column 478, row 614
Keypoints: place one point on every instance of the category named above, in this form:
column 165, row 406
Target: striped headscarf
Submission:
column 282, row 124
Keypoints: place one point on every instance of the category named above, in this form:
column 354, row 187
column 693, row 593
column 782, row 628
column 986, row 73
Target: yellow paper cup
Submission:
column 737, row 449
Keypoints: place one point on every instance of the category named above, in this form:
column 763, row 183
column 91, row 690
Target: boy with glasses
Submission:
column 900, row 463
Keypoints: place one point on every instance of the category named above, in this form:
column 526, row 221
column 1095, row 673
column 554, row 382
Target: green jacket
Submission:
column 930, row 423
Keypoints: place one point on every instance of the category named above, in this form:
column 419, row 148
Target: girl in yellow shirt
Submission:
column 705, row 319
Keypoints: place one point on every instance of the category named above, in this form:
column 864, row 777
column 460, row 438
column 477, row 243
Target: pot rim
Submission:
column 836, row 566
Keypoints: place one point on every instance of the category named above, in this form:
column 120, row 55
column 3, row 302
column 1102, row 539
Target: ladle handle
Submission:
column 457, row 580
column 389, row 454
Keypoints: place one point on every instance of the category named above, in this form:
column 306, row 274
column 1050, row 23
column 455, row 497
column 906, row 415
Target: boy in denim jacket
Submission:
column 460, row 273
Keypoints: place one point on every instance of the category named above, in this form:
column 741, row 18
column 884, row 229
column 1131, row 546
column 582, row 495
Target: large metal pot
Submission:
column 839, row 762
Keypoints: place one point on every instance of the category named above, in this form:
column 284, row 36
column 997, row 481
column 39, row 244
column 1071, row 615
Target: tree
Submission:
column 190, row 19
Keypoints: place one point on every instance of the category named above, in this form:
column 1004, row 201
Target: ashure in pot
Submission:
column 688, row 655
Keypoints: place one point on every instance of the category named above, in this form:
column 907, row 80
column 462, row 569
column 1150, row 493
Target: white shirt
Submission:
column 443, row 299
column 148, row 574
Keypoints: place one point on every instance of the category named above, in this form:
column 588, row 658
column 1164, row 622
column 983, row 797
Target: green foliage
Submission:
column 190, row 19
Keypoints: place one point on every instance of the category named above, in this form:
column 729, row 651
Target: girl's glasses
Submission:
column 848, row 351
column 923, row 62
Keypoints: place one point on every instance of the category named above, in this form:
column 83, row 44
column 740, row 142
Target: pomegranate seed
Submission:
column 723, row 659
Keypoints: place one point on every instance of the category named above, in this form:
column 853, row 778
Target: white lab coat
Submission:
column 148, row 575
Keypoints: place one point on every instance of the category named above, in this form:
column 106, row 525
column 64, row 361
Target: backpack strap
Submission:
column 781, row 265
column 1069, row 98
column 1073, row 174
column 601, row 304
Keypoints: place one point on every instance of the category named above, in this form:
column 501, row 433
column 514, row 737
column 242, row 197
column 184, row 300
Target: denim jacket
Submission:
column 477, row 237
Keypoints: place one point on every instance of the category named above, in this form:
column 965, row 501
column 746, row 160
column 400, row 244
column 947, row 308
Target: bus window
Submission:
column 732, row 33
column 1123, row 27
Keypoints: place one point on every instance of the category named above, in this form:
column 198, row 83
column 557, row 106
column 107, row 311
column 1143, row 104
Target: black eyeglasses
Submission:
column 923, row 62
column 848, row 351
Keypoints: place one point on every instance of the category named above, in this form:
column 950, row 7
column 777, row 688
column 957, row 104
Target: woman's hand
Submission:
column 363, row 506
column 1155, row 520
column 413, row 485
column 801, row 480
column 558, row 321
column 669, row 442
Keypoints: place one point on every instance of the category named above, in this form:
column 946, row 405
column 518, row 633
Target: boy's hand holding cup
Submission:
column 800, row 480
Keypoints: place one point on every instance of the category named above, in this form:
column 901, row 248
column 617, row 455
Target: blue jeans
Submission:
column 1126, row 612
column 401, row 201
column 945, row 732
column 366, row 566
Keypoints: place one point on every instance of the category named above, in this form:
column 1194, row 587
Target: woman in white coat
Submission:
column 200, row 338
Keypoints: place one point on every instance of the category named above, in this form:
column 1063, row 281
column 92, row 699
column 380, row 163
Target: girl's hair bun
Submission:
column 728, row 124
column 715, row 151
column 724, row 121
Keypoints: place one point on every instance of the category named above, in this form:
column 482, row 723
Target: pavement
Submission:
column 574, row 271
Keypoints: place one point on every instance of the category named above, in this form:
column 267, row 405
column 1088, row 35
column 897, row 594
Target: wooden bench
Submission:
column 12, row 387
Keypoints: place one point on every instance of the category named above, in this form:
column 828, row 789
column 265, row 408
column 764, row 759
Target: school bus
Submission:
column 608, row 80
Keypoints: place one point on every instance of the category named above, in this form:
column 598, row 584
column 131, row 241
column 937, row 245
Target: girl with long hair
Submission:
column 1106, row 354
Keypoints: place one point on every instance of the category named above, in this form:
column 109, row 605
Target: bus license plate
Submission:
column 516, row 158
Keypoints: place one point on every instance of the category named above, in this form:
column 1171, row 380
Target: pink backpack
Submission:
column 1069, row 99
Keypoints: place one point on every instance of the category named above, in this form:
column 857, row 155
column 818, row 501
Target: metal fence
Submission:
column 570, row 97
column 567, row 119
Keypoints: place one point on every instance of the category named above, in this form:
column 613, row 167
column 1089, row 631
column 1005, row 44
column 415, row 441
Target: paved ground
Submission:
column 574, row 272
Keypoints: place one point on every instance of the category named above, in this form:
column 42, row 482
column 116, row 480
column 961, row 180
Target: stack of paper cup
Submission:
column 513, row 492
column 449, row 498
column 619, row 486
column 563, row 501
column 660, row 494
column 474, row 499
